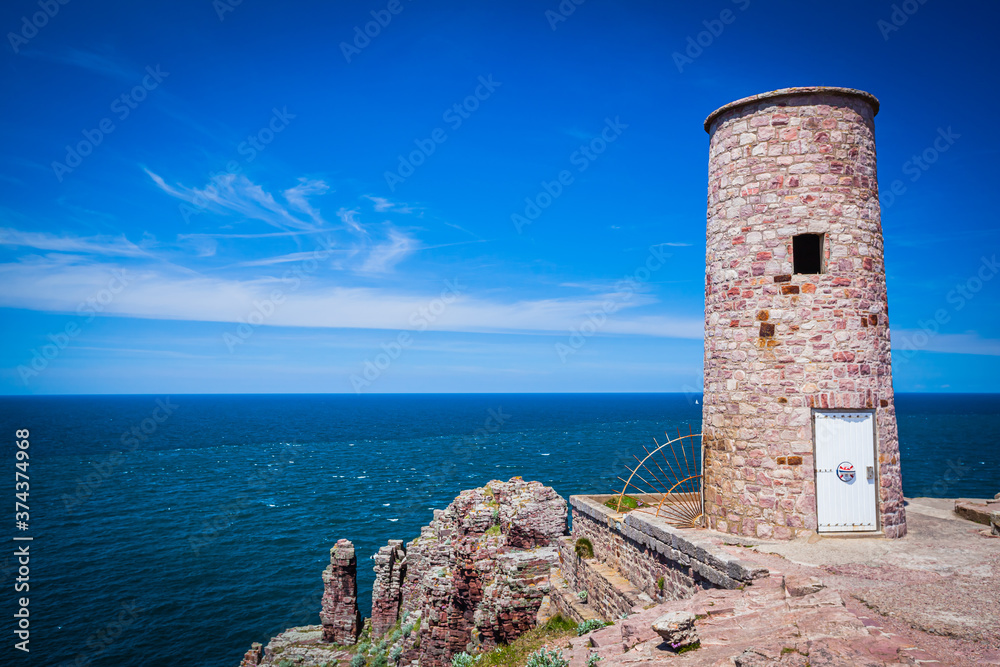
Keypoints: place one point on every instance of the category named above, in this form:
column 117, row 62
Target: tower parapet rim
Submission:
column 792, row 92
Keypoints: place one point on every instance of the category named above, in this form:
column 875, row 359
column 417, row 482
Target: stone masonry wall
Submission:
column 606, row 596
column 637, row 562
column 778, row 344
column 643, row 549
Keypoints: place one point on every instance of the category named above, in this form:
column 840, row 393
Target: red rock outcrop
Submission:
column 339, row 615
column 477, row 574
column 390, row 568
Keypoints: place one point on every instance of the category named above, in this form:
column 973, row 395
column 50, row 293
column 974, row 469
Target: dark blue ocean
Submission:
column 183, row 528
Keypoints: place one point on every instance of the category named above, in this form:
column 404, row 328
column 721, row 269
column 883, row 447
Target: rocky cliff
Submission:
column 475, row 577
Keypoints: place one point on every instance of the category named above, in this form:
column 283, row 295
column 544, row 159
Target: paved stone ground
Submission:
column 942, row 579
column 932, row 597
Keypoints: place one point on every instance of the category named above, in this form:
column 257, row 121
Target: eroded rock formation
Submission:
column 339, row 615
column 390, row 568
column 475, row 577
column 477, row 574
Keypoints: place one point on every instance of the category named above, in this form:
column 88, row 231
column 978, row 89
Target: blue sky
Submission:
column 258, row 197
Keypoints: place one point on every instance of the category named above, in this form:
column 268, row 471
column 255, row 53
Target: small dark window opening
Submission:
column 807, row 253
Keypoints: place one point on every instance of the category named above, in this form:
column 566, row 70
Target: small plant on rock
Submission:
column 407, row 629
column 396, row 653
column 660, row 583
column 590, row 625
column 628, row 503
column 546, row 658
column 584, row 548
column 593, row 660
column 463, row 659
column 690, row 647
column 582, row 596
column 358, row 660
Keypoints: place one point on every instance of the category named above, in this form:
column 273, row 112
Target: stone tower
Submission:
column 796, row 320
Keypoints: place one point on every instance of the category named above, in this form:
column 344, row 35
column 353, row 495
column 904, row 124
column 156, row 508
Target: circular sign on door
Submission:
column 846, row 472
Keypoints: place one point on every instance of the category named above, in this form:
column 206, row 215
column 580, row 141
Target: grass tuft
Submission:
column 584, row 548
column 517, row 652
column 628, row 504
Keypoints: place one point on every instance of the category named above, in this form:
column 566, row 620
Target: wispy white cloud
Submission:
column 384, row 256
column 91, row 245
column 383, row 205
column 350, row 219
column 235, row 193
column 166, row 293
column 87, row 60
column 280, row 259
column 298, row 197
column 905, row 341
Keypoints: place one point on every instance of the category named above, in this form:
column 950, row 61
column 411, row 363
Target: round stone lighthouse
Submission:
column 799, row 427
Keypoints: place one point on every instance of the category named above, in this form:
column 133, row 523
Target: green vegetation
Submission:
column 660, row 583
column 628, row 504
column 517, row 652
column 463, row 660
column 358, row 659
column 582, row 596
column 690, row 647
column 546, row 658
column 589, row 626
column 593, row 659
column 396, row 653
column 584, row 548
column 407, row 629
column 493, row 530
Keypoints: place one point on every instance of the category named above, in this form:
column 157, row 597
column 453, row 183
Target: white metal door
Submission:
column 846, row 481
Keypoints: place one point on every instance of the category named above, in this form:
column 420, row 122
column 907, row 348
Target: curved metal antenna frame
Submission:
column 682, row 509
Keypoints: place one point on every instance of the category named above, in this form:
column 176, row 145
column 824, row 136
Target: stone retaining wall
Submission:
column 645, row 551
